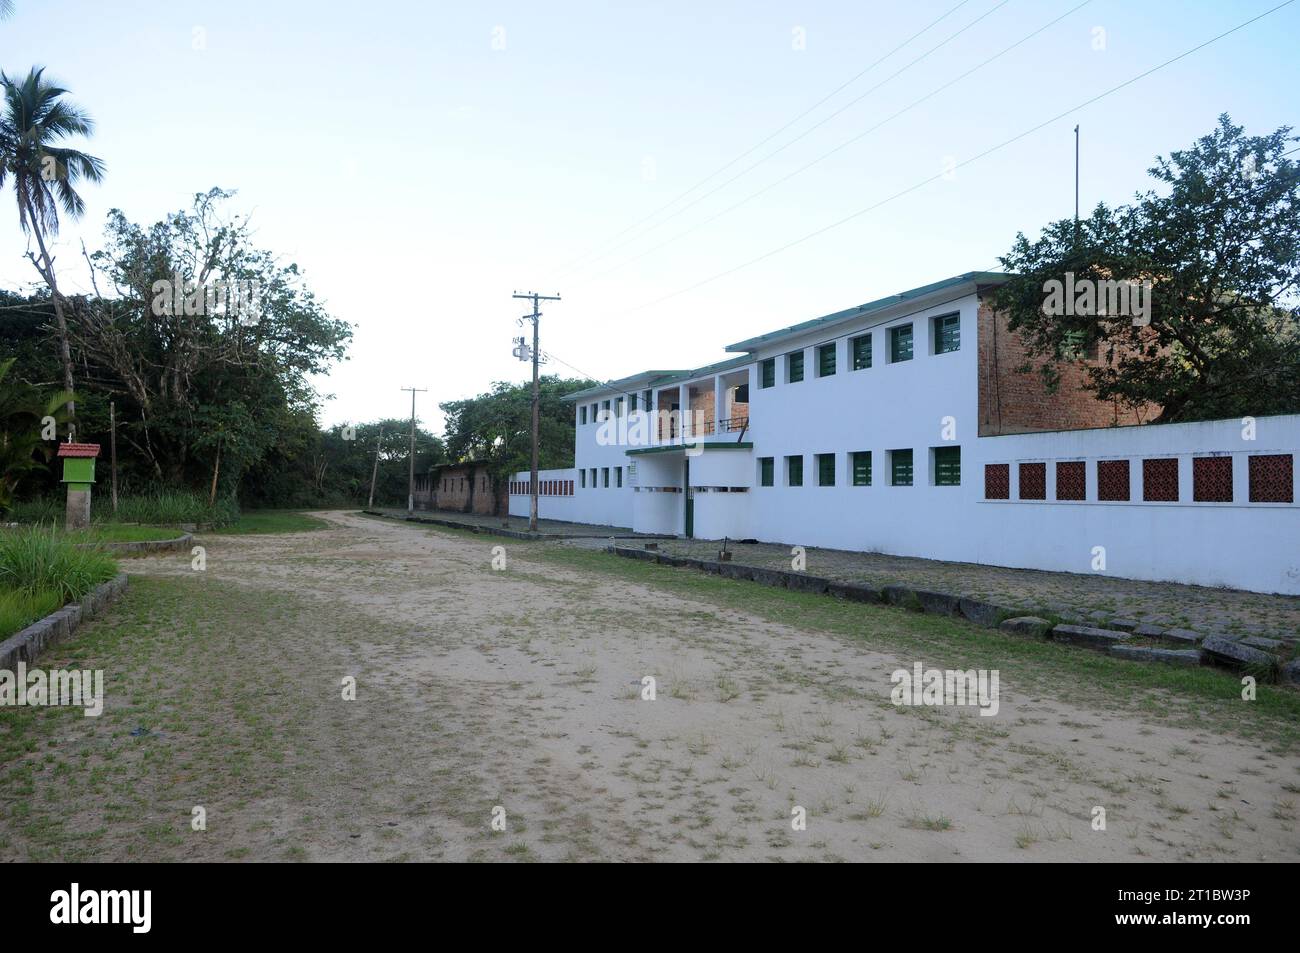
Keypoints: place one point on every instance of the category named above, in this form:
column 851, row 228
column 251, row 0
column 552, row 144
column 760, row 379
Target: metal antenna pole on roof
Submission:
column 532, row 491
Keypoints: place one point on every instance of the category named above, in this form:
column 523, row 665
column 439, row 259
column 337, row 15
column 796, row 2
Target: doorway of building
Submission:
column 690, row 498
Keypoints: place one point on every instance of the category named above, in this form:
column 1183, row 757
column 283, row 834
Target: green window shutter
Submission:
column 631, row 403
column 618, row 407
column 862, row 468
column 794, row 468
column 618, row 476
column 582, row 414
column 900, row 343
column 825, row 469
column 768, row 373
column 604, row 472
column 862, row 352
column 947, row 466
column 826, row 360
column 900, row 462
column 794, row 367
column 947, row 333
column 766, row 472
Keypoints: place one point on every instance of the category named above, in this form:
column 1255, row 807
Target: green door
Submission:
column 690, row 499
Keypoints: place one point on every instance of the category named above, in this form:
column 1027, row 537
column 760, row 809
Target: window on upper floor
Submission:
column 618, row 476
column 618, row 407
column 826, row 359
column 900, row 343
column 582, row 414
column 766, row 471
column 861, row 347
column 604, row 475
column 794, row 367
column 767, row 373
column 947, row 333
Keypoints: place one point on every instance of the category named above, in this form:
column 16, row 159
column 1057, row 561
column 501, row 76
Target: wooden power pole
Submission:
column 532, row 493
column 410, row 484
column 375, row 472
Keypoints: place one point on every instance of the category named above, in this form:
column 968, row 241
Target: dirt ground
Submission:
column 521, row 688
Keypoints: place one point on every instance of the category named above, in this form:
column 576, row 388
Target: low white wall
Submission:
column 549, row 507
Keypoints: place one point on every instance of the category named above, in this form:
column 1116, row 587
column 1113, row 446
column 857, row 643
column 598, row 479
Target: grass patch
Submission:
column 252, row 522
column 165, row 508
column 1191, row 696
column 20, row 609
column 36, row 560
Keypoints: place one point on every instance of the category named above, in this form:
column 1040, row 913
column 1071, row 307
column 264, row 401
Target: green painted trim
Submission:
column 680, row 448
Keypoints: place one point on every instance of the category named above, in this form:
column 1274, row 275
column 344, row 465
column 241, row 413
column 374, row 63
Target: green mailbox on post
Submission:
column 79, row 476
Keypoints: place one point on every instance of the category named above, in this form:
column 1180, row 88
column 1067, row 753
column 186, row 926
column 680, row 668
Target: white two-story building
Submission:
column 904, row 426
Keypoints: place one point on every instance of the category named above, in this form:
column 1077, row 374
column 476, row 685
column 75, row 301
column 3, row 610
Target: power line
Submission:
column 982, row 155
column 843, row 145
column 850, row 81
column 810, row 129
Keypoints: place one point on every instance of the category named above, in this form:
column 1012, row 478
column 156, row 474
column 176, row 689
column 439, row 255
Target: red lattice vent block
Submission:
column 997, row 481
column 1160, row 480
column 1271, row 478
column 1070, row 479
column 1112, row 480
column 1033, row 481
column 1212, row 479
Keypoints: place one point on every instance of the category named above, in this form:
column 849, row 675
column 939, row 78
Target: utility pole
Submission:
column 410, row 484
column 375, row 472
column 112, row 443
column 532, row 495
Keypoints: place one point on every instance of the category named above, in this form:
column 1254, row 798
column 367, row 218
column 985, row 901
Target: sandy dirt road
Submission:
column 521, row 688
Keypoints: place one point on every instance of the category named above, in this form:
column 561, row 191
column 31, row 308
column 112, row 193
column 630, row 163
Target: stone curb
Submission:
column 1197, row 649
column 139, row 547
column 26, row 645
column 500, row 530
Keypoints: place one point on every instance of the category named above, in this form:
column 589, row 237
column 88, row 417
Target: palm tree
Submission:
column 34, row 118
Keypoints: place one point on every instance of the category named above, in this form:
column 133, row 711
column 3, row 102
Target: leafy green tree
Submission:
column 495, row 428
column 24, row 413
column 35, row 119
column 1218, row 246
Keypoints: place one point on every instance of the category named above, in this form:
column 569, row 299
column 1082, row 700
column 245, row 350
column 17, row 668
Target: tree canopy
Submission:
column 1217, row 244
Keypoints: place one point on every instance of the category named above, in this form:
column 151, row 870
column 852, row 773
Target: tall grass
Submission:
column 19, row 609
column 39, row 561
column 165, row 508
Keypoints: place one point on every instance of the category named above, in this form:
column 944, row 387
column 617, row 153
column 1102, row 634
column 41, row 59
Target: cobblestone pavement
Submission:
column 1098, row 597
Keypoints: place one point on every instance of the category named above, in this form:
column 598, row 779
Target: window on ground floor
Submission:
column 582, row 479
column 947, row 466
column 618, row 476
column 900, row 467
column 825, row 469
column 604, row 476
column 794, row 471
column 766, row 471
column 862, row 468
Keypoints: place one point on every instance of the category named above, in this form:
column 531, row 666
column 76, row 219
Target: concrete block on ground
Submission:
column 1088, row 636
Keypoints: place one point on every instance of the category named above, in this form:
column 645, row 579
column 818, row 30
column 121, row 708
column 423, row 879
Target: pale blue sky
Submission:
column 419, row 175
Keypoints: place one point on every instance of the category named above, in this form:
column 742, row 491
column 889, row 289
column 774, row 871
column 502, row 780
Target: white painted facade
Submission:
column 924, row 404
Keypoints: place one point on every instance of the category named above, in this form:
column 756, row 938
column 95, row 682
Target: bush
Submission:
column 39, row 561
column 20, row 609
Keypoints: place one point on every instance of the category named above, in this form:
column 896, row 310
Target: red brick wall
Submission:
column 468, row 488
column 1012, row 402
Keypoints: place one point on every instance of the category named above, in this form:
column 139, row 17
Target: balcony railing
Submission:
column 733, row 424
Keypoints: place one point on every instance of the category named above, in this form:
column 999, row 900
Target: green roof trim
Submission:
column 971, row 277
column 647, row 378
column 679, row 447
